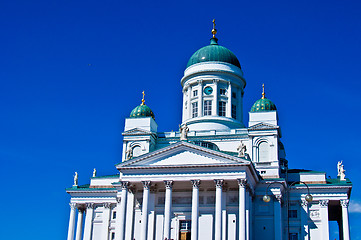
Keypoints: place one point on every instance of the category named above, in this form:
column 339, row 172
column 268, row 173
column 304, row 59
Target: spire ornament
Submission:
column 143, row 98
column 214, row 30
column 263, row 93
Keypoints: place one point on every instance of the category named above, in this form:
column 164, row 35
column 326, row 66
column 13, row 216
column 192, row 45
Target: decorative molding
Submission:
column 344, row 203
column 107, row 205
column 168, row 184
column 263, row 126
column 196, row 183
column 242, row 182
column 146, row 184
column 323, row 203
column 219, row 183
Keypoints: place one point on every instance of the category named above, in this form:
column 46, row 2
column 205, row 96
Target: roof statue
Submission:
column 241, row 149
column 94, row 172
column 129, row 152
column 341, row 171
column 183, row 129
column 75, row 179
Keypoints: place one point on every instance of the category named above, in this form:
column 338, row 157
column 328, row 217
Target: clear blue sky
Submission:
column 71, row 71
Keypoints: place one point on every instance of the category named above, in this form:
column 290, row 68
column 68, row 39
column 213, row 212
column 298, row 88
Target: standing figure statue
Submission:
column 339, row 165
column 129, row 153
column 76, row 179
column 242, row 150
column 94, row 172
column 183, row 132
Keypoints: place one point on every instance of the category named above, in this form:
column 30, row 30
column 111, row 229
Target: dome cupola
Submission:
column 263, row 104
column 142, row 110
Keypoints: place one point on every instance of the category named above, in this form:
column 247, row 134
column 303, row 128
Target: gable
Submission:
column 183, row 154
column 136, row 131
column 263, row 126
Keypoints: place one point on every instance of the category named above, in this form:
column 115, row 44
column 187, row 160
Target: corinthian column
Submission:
column 121, row 205
column 195, row 209
column 324, row 219
column 167, row 208
column 144, row 226
column 79, row 225
column 345, row 226
column 88, row 221
column 242, row 183
column 71, row 221
column 218, row 210
column 278, row 217
column 106, row 218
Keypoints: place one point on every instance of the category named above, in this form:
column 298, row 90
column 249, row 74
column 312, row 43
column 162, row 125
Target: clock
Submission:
column 208, row 90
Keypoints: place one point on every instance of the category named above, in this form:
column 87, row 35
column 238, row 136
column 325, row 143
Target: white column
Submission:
column 345, row 226
column 200, row 98
column 121, row 210
column 88, row 221
column 79, row 225
column 106, row 218
column 215, row 97
column 324, row 218
column 218, row 210
column 304, row 221
column 242, row 183
column 167, row 208
column 229, row 102
column 189, row 104
column 129, row 222
column 224, row 214
column 144, row 226
column 195, row 209
column 71, row 221
column 278, row 217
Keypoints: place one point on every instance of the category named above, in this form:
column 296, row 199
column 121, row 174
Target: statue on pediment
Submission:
column 129, row 153
column 76, row 179
column 242, row 150
column 183, row 132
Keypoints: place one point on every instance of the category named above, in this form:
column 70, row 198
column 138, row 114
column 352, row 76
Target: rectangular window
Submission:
column 114, row 215
column 195, row 93
column 292, row 213
column 207, row 108
column 293, row 236
column 234, row 95
column 113, row 235
column 222, row 91
column 185, row 225
column 234, row 111
column 195, row 109
column 222, row 108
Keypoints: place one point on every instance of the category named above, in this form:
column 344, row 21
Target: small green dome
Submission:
column 141, row 111
column 214, row 53
column 263, row 105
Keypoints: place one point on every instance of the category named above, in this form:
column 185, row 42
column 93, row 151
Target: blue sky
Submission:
column 71, row 71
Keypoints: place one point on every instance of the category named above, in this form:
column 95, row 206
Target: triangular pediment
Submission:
column 136, row 131
column 263, row 126
column 183, row 154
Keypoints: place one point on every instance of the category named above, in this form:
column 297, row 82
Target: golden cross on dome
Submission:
column 143, row 98
column 214, row 31
column 263, row 93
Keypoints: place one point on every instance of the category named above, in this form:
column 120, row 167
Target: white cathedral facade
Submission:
column 214, row 179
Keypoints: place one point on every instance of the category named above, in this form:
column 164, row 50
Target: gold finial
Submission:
column 263, row 93
column 214, row 30
column 143, row 98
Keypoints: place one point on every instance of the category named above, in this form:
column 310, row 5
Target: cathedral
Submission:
column 217, row 178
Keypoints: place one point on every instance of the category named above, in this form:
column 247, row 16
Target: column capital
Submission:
column 200, row 81
column 146, row 184
column 219, row 183
column 107, row 205
column 119, row 199
column 72, row 205
column 323, row 203
column 124, row 184
column 81, row 208
column 303, row 203
column 344, row 203
column 90, row 205
column 215, row 80
column 242, row 182
column 196, row 183
column 278, row 198
column 168, row 184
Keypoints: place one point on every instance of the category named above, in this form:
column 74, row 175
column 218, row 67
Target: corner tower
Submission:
column 213, row 86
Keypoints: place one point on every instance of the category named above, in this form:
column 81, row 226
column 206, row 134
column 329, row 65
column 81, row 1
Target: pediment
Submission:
column 263, row 126
column 182, row 154
column 136, row 131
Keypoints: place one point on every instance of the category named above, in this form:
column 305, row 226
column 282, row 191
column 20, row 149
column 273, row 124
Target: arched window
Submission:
column 137, row 151
column 263, row 152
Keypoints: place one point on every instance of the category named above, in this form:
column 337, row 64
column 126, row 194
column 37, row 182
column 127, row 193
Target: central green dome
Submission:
column 214, row 53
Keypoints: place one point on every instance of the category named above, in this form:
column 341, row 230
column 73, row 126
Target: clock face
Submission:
column 208, row 90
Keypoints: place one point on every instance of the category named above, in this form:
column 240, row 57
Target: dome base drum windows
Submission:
column 195, row 109
column 207, row 109
column 222, row 108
